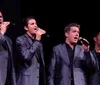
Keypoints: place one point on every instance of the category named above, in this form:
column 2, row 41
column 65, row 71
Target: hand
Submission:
column 85, row 47
column 4, row 27
column 39, row 33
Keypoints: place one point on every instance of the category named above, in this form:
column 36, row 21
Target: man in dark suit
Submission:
column 7, row 73
column 95, row 79
column 69, row 61
column 31, row 69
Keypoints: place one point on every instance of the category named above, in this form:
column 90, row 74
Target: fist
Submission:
column 3, row 27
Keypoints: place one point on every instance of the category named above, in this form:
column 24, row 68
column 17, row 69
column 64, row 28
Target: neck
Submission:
column 70, row 44
column 30, row 35
column 97, row 48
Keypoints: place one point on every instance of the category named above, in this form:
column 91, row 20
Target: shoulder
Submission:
column 58, row 47
column 8, row 39
column 79, row 47
column 21, row 37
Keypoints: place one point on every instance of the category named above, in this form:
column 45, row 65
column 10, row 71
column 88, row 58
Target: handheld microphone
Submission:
column 47, row 35
column 84, row 42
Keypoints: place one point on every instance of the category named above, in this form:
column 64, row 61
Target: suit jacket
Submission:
column 59, row 72
column 95, row 78
column 31, row 70
column 7, row 70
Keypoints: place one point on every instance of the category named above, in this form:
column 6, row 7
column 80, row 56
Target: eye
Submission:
column 1, row 16
column 74, row 31
column 32, row 23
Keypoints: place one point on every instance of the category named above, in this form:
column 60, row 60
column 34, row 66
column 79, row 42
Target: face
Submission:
column 97, row 40
column 31, row 28
column 1, row 18
column 72, row 36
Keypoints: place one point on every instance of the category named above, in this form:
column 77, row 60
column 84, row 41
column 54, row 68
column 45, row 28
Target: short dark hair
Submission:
column 26, row 19
column 67, row 28
column 1, row 10
column 96, row 32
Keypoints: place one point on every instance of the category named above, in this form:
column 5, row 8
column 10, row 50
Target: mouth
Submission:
column 0, row 21
column 75, row 38
column 35, row 29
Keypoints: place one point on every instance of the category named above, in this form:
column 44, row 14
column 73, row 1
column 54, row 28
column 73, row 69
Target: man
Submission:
column 96, row 52
column 69, row 61
column 7, row 74
column 31, row 70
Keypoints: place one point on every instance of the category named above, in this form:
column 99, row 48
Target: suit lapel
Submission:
column 64, row 53
column 78, row 52
column 29, row 43
column 94, row 54
column 41, row 51
column 7, row 45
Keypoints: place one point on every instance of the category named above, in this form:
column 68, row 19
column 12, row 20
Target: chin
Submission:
column 74, row 42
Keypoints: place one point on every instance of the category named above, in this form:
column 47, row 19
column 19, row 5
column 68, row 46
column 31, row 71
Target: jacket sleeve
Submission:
column 11, row 75
column 90, row 62
column 25, row 52
column 51, row 68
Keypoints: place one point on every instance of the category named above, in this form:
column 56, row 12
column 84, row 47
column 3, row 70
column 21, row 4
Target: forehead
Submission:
column 74, row 28
column 98, row 34
column 32, row 21
column 0, row 14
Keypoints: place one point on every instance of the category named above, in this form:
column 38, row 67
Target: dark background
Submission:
column 53, row 17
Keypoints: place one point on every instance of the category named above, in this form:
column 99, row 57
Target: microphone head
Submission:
column 37, row 28
column 80, row 38
column 46, row 34
column 83, row 41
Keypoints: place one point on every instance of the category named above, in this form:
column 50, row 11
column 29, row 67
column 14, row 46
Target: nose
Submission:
column 77, row 34
column 36, row 25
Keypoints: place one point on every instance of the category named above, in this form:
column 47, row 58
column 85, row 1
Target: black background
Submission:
column 52, row 16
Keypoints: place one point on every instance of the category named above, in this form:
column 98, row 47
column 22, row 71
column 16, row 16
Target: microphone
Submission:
column 84, row 42
column 46, row 34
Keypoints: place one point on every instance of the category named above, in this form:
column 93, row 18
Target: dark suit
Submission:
column 7, row 72
column 95, row 78
column 31, row 70
column 59, row 72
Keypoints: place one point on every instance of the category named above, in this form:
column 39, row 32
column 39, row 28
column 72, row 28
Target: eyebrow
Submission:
column 32, row 23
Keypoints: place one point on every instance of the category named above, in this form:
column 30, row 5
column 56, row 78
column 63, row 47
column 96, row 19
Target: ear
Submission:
column 25, row 27
column 94, row 38
column 66, row 34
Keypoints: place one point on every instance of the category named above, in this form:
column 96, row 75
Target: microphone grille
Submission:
column 80, row 38
column 38, row 28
